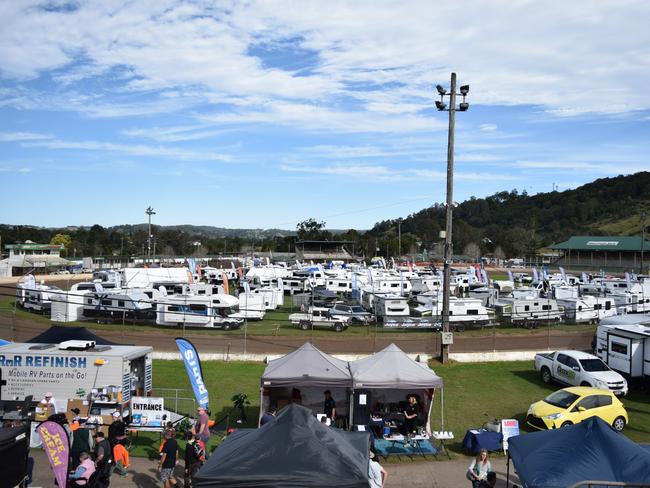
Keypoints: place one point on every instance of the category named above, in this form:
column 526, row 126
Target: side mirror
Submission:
column 576, row 368
column 581, row 409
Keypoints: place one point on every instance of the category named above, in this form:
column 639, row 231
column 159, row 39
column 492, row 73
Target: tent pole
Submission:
column 351, row 409
column 442, row 408
column 259, row 416
column 508, row 470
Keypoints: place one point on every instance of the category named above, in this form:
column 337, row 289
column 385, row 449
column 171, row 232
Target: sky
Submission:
column 261, row 114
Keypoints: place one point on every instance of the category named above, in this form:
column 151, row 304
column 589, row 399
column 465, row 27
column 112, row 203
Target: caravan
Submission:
column 624, row 344
column 198, row 311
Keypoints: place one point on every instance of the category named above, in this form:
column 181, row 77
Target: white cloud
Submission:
column 132, row 149
column 22, row 136
column 488, row 127
column 384, row 55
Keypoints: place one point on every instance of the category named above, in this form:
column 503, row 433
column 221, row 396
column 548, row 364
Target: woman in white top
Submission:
column 479, row 468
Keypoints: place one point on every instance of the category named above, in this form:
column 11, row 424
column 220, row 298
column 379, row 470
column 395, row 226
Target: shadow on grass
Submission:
column 532, row 376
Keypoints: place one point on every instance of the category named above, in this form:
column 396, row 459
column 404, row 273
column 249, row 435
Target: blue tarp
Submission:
column 590, row 450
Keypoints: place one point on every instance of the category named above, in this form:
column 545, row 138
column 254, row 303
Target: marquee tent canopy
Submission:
column 307, row 366
column 392, row 368
column 294, row 450
column 590, row 450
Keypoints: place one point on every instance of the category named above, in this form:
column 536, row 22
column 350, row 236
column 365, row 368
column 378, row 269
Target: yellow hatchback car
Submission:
column 572, row 405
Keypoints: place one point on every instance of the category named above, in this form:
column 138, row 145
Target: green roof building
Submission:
column 614, row 253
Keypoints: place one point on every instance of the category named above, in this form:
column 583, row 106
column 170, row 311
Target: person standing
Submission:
column 168, row 461
column 202, row 428
column 103, row 460
column 410, row 415
column 48, row 404
column 329, row 405
column 117, row 430
column 121, row 457
column 479, row 468
column 194, row 457
column 377, row 475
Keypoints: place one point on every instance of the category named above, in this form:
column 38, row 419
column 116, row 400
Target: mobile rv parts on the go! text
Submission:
column 71, row 370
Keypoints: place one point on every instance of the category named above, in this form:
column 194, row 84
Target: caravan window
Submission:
column 198, row 309
column 547, row 307
column 106, row 302
column 472, row 312
column 608, row 305
column 120, row 303
column 173, row 308
column 619, row 347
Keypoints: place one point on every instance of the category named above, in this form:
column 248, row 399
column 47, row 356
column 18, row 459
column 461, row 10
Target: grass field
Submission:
column 474, row 394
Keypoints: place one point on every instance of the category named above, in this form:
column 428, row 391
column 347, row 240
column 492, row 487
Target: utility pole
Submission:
column 399, row 238
column 149, row 213
column 642, row 238
column 448, row 250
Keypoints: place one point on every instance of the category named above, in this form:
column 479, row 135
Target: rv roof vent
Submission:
column 76, row 345
column 102, row 348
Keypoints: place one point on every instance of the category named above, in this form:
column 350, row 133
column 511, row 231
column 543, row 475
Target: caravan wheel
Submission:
column 304, row 325
column 226, row 327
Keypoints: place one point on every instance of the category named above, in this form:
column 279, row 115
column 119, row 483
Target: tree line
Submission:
column 506, row 224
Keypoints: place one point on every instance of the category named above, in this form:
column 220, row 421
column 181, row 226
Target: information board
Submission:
column 148, row 412
column 509, row 428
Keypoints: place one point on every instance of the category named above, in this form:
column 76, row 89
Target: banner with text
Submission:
column 194, row 372
column 148, row 412
column 57, row 448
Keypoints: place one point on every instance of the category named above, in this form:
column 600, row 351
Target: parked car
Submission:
column 577, row 368
column 356, row 313
column 318, row 318
column 575, row 404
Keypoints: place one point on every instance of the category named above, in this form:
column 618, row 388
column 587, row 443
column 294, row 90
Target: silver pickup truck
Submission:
column 318, row 318
column 577, row 368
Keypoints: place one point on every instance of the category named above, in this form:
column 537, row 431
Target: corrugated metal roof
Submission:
column 603, row 243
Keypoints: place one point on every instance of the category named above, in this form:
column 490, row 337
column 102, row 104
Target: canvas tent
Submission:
column 59, row 333
column 590, row 450
column 387, row 377
column 294, row 450
column 311, row 371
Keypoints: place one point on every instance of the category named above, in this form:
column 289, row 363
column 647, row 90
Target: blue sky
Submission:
column 263, row 114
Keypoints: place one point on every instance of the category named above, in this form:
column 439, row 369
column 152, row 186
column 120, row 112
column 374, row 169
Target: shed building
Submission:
column 611, row 253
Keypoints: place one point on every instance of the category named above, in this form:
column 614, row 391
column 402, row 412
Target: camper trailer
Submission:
column 76, row 370
column 198, row 311
column 68, row 306
column 118, row 305
column 39, row 298
column 625, row 347
column 528, row 312
column 587, row 308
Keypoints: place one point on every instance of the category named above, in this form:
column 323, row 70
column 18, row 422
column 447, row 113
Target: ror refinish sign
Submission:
column 34, row 369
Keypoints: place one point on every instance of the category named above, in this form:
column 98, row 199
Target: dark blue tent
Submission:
column 590, row 450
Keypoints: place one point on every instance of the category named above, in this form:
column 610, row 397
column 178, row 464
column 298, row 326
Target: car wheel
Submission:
column 226, row 327
column 304, row 325
column 338, row 327
column 546, row 375
column 566, row 423
column 584, row 383
column 618, row 424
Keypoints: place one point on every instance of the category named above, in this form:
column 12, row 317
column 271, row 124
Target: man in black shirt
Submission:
column 103, row 460
column 194, row 457
column 410, row 415
column 329, row 405
column 168, row 460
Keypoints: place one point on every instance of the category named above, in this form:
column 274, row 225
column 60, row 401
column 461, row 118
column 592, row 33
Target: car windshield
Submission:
column 593, row 365
column 562, row 399
column 358, row 309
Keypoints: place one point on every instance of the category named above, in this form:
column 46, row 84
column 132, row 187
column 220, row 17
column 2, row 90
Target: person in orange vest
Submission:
column 121, row 457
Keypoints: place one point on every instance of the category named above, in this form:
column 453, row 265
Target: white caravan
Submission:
column 198, row 311
column 528, row 311
column 587, row 308
column 625, row 347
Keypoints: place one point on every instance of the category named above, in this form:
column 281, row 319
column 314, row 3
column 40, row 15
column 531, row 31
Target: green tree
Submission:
column 64, row 239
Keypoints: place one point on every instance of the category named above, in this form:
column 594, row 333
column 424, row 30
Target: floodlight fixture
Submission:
column 441, row 105
column 463, row 107
column 464, row 90
column 441, row 90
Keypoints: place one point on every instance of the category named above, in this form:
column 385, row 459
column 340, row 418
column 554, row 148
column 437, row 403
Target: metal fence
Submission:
column 181, row 402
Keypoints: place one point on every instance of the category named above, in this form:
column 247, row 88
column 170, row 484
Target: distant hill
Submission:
column 520, row 223
column 209, row 231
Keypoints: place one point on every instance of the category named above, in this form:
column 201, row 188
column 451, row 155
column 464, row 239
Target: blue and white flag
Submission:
column 484, row 276
column 401, row 283
column 355, row 286
column 545, row 273
column 535, row 275
column 194, row 372
column 563, row 274
column 510, row 276
column 585, row 278
column 627, row 280
column 191, row 264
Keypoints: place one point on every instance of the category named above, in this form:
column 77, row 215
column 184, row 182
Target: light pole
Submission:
column 149, row 213
column 442, row 106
